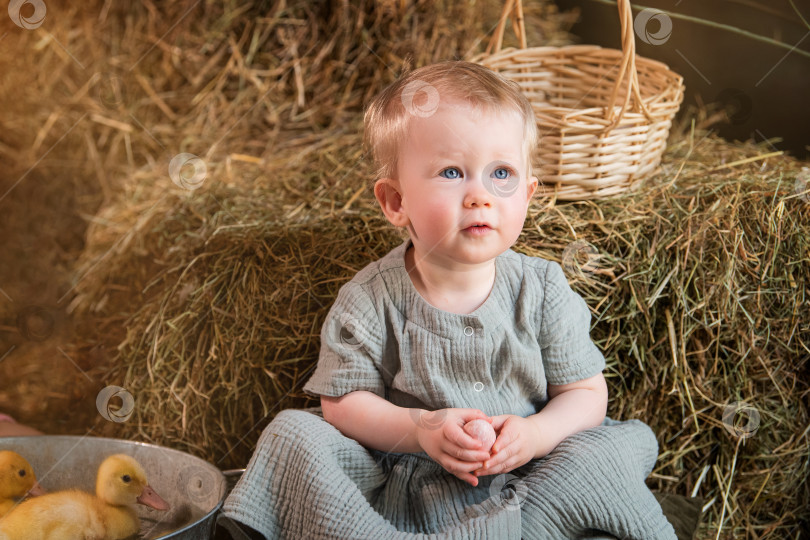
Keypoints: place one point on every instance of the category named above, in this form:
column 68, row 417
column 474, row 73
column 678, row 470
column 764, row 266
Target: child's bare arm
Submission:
column 377, row 423
column 372, row 421
column 571, row 408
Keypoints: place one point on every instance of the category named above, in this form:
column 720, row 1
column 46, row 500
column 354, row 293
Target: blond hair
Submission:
column 388, row 116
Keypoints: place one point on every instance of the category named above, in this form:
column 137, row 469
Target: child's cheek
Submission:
column 435, row 213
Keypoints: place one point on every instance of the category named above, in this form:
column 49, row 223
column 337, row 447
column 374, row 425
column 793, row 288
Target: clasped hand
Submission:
column 441, row 435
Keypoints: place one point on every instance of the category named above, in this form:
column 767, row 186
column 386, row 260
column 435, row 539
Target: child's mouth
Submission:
column 478, row 229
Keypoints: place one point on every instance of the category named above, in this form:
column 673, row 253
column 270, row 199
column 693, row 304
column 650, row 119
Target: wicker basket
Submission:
column 596, row 138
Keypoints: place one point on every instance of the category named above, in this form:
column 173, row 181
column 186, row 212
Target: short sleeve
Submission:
column 351, row 346
column 568, row 353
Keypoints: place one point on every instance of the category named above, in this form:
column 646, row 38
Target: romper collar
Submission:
column 491, row 314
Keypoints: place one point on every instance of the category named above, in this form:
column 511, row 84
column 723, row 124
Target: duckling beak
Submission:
column 151, row 499
column 36, row 490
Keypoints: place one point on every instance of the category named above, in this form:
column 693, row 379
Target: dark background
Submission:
column 764, row 88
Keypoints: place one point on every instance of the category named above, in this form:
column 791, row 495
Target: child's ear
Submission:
column 388, row 194
column 531, row 188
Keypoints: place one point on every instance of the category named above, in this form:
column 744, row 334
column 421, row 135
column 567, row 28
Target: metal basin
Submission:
column 194, row 488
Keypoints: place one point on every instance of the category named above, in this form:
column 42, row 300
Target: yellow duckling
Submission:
column 71, row 515
column 16, row 480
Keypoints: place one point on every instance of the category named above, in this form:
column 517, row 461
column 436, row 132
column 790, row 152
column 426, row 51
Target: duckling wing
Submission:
column 67, row 515
column 5, row 506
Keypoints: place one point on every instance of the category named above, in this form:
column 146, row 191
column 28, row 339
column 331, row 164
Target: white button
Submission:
column 468, row 330
column 478, row 386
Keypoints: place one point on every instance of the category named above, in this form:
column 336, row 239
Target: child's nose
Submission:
column 478, row 193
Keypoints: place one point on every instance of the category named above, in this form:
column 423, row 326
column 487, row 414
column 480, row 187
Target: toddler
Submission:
column 449, row 327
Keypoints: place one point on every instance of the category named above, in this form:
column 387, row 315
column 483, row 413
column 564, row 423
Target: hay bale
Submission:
column 98, row 99
column 271, row 102
column 696, row 283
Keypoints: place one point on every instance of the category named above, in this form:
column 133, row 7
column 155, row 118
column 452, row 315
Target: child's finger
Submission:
column 464, row 454
column 467, row 477
column 511, row 461
column 468, row 415
column 460, row 444
column 504, row 439
column 490, row 466
column 461, row 469
column 458, row 466
column 459, row 437
column 487, row 467
column 499, row 421
column 503, row 456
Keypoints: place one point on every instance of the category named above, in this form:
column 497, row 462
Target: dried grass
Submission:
column 214, row 298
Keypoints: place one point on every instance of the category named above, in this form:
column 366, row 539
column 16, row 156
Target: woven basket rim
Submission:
column 650, row 63
column 670, row 97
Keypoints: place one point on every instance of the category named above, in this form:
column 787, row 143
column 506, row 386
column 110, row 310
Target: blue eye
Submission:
column 501, row 173
column 451, row 173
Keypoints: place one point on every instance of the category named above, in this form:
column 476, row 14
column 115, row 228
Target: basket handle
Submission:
column 628, row 63
column 496, row 42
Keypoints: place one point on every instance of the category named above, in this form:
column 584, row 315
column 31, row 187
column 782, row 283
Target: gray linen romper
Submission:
column 307, row 480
